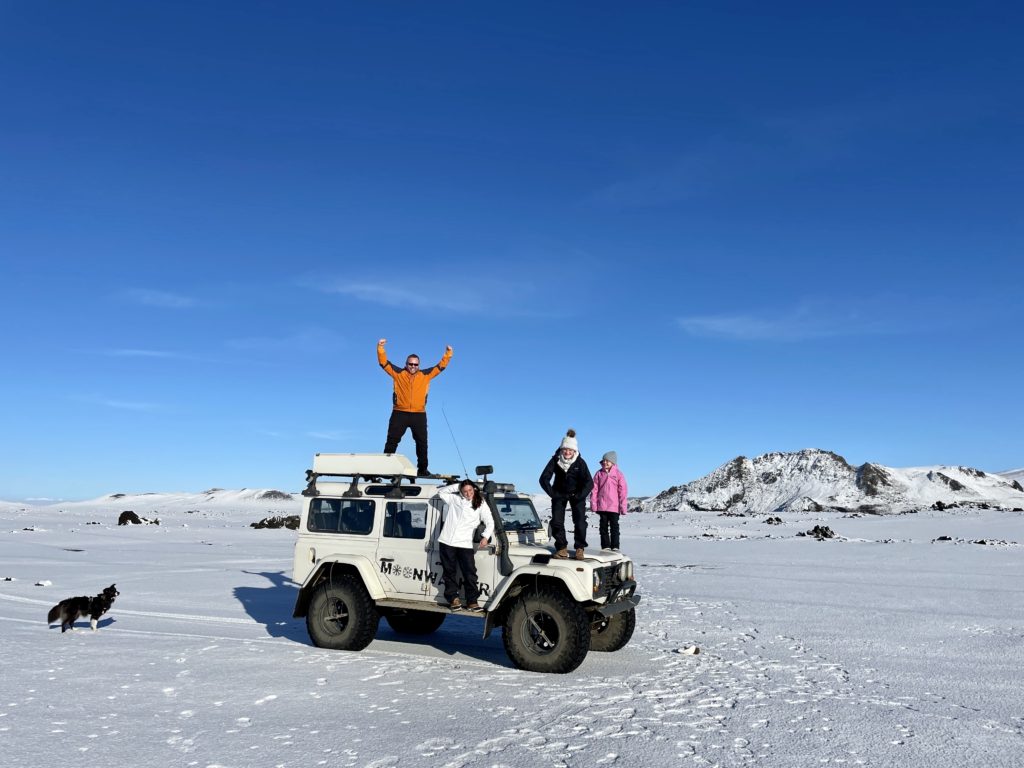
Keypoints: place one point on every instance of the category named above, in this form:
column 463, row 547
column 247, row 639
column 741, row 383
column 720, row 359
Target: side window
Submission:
column 405, row 520
column 341, row 516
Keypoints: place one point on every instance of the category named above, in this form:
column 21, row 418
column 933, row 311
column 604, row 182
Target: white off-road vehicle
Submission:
column 367, row 547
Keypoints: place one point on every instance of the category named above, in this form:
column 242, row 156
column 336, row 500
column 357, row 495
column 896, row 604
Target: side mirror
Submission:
column 484, row 469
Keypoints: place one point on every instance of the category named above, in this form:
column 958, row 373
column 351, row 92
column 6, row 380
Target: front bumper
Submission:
column 623, row 598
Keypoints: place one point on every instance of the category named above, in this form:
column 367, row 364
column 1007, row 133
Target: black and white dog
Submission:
column 71, row 609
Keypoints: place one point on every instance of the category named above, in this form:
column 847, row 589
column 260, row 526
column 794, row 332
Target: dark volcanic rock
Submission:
column 128, row 517
column 871, row 477
column 954, row 485
column 291, row 522
column 820, row 532
column 276, row 496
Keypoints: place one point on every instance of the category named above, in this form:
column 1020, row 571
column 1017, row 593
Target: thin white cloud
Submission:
column 333, row 436
column 461, row 294
column 813, row 320
column 306, row 340
column 164, row 299
column 152, row 353
column 767, row 147
column 118, row 404
column 130, row 405
column 440, row 296
column 328, row 435
column 742, row 327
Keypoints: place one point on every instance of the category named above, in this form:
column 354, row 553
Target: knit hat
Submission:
column 569, row 441
column 611, row 456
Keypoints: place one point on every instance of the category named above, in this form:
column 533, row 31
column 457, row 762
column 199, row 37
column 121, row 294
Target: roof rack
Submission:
column 370, row 467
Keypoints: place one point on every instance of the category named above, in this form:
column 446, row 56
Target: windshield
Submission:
column 517, row 514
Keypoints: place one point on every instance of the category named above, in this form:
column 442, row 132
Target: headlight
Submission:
column 598, row 582
column 626, row 570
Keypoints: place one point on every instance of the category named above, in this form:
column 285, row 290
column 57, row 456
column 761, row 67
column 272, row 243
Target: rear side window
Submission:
column 341, row 516
column 405, row 520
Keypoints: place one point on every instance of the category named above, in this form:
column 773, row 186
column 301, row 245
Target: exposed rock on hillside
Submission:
column 815, row 480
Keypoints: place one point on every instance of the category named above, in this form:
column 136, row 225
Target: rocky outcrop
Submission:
column 815, row 480
column 291, row 522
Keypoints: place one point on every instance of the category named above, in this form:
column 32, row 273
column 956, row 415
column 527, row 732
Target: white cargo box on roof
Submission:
column 351, row 464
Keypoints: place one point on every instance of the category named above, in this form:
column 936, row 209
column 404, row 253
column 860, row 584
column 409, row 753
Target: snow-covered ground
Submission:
column 883, row 646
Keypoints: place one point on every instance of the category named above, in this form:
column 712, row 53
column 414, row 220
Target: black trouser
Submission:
column 464, row 559
column 417, row 422
column 609, row 530
column 579, row 522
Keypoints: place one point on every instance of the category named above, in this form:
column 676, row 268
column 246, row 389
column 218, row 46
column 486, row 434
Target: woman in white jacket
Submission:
column 465, row 511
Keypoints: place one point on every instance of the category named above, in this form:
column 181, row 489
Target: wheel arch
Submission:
column 328, row 569
column 532, row 580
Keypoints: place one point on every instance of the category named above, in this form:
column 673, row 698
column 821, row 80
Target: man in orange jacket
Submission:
column 410, row 401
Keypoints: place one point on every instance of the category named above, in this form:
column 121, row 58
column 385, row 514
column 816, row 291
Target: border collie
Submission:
column 74, row 607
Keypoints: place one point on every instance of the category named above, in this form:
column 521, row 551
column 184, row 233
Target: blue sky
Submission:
column 689, row 231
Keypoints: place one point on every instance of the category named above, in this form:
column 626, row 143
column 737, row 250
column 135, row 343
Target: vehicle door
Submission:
column 404, row 554
column 486, row 572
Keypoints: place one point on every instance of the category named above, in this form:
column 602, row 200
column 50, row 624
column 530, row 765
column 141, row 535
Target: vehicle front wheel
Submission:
column 342, row 616
column 415, row 622
column 611, row 633
column 547, row 631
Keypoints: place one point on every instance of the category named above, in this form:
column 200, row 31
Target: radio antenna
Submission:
column 466, row 471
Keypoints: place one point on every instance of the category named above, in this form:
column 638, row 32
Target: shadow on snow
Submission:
column 272, row 607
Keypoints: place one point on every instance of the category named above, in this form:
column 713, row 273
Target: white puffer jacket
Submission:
column 461, row 520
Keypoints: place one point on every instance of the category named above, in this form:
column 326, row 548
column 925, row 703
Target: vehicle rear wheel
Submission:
column 342, row 615
column 415, row 622
column 611, row 633
column 547, row 631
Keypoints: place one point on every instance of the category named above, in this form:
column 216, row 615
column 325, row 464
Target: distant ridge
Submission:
column 818, row 480
column 1014, row 474
column 211, row 499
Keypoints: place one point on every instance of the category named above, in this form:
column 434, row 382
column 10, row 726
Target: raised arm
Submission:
column 448, row 493
column 435, row 370
column 382, row 359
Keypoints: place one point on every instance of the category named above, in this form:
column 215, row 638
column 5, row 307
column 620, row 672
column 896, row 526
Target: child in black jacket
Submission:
column 566, row 479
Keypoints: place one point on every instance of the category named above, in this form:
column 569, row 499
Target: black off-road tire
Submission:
column 415, row 622
column 342, row 615
column 547, row 631
column 611, row 633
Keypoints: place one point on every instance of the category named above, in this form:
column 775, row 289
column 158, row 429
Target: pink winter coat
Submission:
column 610, row 492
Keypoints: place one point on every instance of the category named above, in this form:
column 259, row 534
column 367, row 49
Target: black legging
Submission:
column 463, row 559
column 579, row 522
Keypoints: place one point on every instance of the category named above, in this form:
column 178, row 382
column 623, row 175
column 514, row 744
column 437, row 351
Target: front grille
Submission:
column 609, row 580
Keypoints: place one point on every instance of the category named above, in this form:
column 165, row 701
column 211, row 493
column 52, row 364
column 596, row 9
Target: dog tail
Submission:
column 54, row 614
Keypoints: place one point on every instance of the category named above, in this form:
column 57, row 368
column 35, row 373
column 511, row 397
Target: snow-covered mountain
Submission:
column 212, row 500
column 815, row 480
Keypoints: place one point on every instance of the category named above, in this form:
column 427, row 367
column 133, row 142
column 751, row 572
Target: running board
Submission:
column 416, row 605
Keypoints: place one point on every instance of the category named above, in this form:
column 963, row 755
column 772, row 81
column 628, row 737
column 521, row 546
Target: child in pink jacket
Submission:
column 609, row 499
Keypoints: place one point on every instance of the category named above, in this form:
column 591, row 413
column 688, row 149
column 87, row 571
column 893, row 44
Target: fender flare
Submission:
column 525, row 574
column 363, row 567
